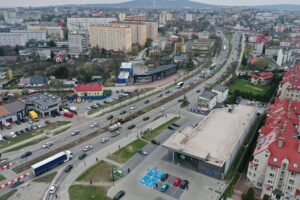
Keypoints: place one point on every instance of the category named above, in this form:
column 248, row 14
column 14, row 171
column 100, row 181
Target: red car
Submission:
column 177, row 182
column 48, row 122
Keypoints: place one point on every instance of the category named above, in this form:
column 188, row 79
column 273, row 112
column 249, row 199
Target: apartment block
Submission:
column 52, row 32
column 7, row 39
column 111, row 37
column 78, row 42
column 152, row 26
column 289, row 87
column 31, row 34
column 83, row 24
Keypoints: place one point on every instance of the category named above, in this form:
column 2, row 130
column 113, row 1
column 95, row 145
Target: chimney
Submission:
column 280, row 142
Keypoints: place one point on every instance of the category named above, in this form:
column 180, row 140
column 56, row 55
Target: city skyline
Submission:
column 36, row 3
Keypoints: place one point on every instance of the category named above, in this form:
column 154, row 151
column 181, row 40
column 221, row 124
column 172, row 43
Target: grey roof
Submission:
column 153, row 70
column 14, row 107
column 207, row 95
column 42, row 100
column 181, row 57
column 220, row 88
column 37, row 80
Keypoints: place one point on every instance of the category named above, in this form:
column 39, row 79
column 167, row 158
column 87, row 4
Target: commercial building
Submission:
column 207, row 101
column 111, row 37
column 83, row 24
column 222, row 92
column 88, row 91
column 211, row 147
column 78, row 42
column 53, row 32
column 43, row 103
column 7, row 39
column 12, row 112
column 275, row 168
column 126, row 70
column 152, row 26
column 138, row 31
column 289, row 87
column 262, row 78
column 202, row 48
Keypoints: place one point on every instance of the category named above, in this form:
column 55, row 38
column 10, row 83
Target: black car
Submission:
column 28, row 129
column 123, row 112
column 68, row 168
column 131, row 126
column 164, row 177
column 17, row 183
column 171, row 128
column 6, row 137
column 146, row 118
column 155, row 142
column 119, row 195
column 147, row 101
column 22, row 131
column 160, row 95
column 53, row 114
column 180, row 100
column 174, row 124
column 26, row 154
column 110, row 117
column 18, row 133
column 98, row 104
column 167, row 92
column 198, row 91
column 184, row 184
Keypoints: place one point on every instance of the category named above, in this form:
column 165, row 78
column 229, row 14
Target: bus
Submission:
column 179, row 85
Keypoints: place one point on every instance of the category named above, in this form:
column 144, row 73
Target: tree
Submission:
column 135, row 49
column 250, row 195
column 244, row 60
column 51, row 43
column 261, row 64
column 266, row 197
column 148, row 42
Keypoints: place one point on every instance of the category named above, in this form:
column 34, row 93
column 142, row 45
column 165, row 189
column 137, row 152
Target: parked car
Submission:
column 47, row 145
column 48, row 122
column 155, row 142
column 76, row 132
column 87, row 148
column 82, row 156
column 184, row 184
column 29, row 121
column 16, row 184
column 174, row 124
column 164, row 187
column 131, row 126
column 171, row 128
column 18, row 133
column 27, row 129
column 52, row 189
column 162, row 110
column 146, row 118
column 18, row 122
column 13, row 134
column 94, row 125
column 119, row 173
column 119, row 195
column 142, row 152
column 115, row 134
column 68, row 168
column 164, row 177
column 105, row 139
column 198, row 91
column 110, row 117
column 168, row 92
column 160, row 95
column 132, row 107
column 177, row 182
column 26, row 154
column 147, row 101
column 123, row 112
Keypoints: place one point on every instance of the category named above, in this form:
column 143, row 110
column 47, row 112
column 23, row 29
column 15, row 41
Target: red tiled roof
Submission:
column 292, row 76
column 263, row 38
column 88, row 87
column 263, row 75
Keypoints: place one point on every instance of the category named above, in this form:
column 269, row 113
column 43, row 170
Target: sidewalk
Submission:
column 101, row 155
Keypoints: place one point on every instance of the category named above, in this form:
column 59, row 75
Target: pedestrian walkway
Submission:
column 114, row 163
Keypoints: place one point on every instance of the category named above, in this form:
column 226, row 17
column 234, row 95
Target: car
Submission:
column 6, row 137
column 184, row 184
column 164, row 177
column 28, row 129
column 3, row 162
column 115, row 134
column 132, row 107
column 48, row 122
column 180, row 100
column 110, row 117
column 18, row 133
column 26, row 154
column 155, row 142
column 142, row 152
column 76, row 132
column 171, row 128
column 22, row 131
column 119, row 173
column 13, row 134
column 160, row 95
column 18, row 122
column 98, row 104
column 94, row 125
column 123, row 112
column 105, row 139
column 119, row 195
column 33, row 127
column 147, row 101
column 164, row 187
column 94, row 106
column 198, row 91
column 131, row 126
column 82, row 156
column 146, row 118
column 29, row 121
column 16, row 184
column 88, row 108
column 87, row 148
column 52, row 189
column 47, row 145
column 68, row 168
column 177, row 182
column 162, row 110
column 168, row 92
column 174, row 124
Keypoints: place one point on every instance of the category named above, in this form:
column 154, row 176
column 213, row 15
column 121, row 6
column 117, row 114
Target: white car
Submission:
column 105, row 139
column 75, row 132
column 13, row 134
column 87, row 148
column 94, row 125
column 52, row 189
column 162, row 110
column 47, row 145
column 132, row 107
column 88, row 108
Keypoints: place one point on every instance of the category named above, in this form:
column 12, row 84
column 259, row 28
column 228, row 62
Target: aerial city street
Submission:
column 149, row 100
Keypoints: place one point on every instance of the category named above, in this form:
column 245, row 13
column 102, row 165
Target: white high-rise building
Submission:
column 83, row 24
column 7, row 39
column 188, row 17
column 78, row 42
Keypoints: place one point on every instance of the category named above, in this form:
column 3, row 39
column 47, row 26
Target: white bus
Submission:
column 179, row 85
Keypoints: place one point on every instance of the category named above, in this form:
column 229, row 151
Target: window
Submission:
column 273, row 168
column 295, row 165
column 290, row 188
column 291, row 181
column 275, row 159
column 293, row 174
column 271, row 175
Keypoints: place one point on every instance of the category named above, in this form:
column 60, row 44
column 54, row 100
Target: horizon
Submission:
column 45, row 3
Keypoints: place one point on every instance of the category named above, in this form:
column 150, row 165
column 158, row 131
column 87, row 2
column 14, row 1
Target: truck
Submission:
column 115, row 127
column 33, row 115
column 51, row 162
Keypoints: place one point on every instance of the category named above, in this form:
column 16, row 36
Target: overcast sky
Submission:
column 14, row 3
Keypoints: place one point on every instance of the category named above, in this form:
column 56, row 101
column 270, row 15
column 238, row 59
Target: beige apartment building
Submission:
column 138, row 31
column 152, row 26
column 111, row 37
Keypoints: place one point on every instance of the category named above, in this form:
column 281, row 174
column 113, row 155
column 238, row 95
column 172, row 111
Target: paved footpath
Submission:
column 63, row 193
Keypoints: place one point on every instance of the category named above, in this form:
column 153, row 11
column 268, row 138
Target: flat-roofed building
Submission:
column 211, row 147
column 152, row 27
column 111, row 37
column 53, row 32
column 84, row 23
column 78, row 42
column 30, row 34
column 7, row 39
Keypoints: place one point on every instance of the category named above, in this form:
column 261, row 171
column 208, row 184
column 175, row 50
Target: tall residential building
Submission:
column 52, row 31
column 188, row 17
column 275, row 168
column 290, row 84
column 10, row 17
column 7, row 39
column 83, row 24
column 163, row 17
column 31, row 34
column 78, row 42
column 122, row 17
column 111, row 37
column 138, row 31
column 169, row 17
column 152, row 27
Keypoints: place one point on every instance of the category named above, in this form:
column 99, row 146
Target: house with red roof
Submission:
column 262, row 78
column 89, row 91
column 289, row 86
column 275, row 168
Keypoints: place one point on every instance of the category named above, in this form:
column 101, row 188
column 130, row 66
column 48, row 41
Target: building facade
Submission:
column 152, row 27
column 7, row 39
column 78, row 42
column 222, row 93
column 83, row 24
column 111, row 37
column 52, row 32
column 289, row 87
column 36, row 35
column 263, row 78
